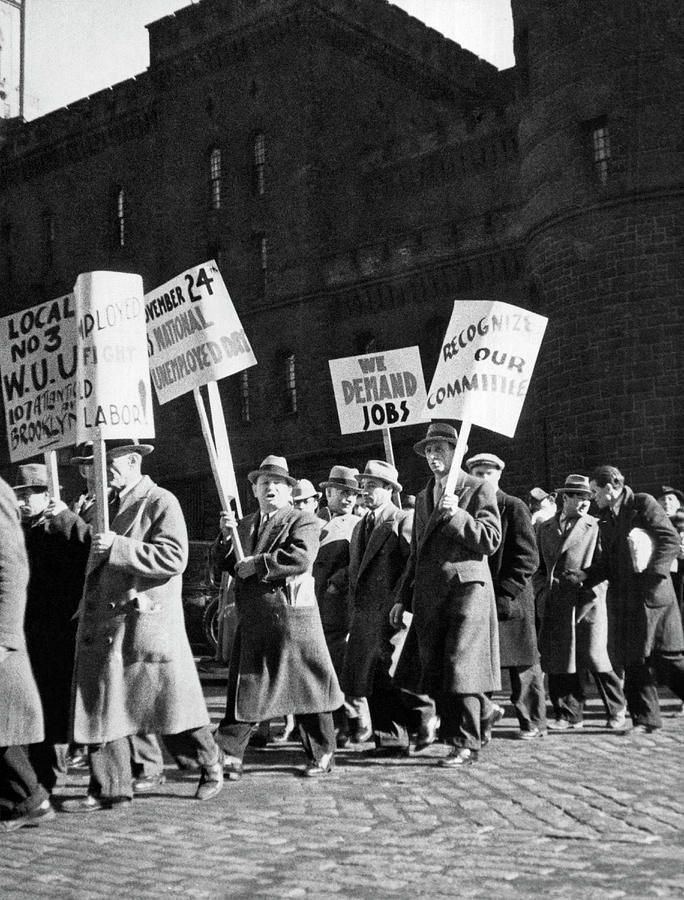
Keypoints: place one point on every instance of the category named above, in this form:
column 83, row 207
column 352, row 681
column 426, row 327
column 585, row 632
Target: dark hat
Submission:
column 539, row 494
column 124, row 446
column 273, row 465
column 383, row 471
column 83, row 455
column 575, row 484
column 304, row 490
column 342, row 477
column 32, row 475
column 666, row 489
column 437, row 431
column 485, row 459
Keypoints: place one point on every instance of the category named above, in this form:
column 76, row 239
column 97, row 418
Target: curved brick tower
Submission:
column 601, row 99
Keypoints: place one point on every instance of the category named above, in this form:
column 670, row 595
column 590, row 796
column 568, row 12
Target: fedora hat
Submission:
column 666, row 489
column 273, row 465
column 304, row 490
column 342, row 477
column 383, row 471
column 539, row 494
column 575, row 484
column 485, row 459
column 437, row 431
column 83, row 455
column 32, row 475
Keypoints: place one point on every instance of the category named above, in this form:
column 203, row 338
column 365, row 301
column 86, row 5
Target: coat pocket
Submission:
column 146, row 638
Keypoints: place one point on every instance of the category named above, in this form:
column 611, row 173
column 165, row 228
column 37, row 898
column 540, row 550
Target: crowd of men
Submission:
column 362, row 621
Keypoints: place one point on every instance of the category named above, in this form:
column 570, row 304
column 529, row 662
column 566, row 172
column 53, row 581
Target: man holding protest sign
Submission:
column 448, row 587
column 134, row 671
column 279, row 663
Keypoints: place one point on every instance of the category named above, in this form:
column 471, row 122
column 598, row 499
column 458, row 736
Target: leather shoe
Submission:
column 387, row 752
column 488, row 723
column 643, row 729
column 316, row 768
column 90, row 804
column 232, row 768
column 146, row 783
column 428, row 734
column 362, row 736
column 211, row 780
column 459, row 756
column 42, row 813
column 531, row 734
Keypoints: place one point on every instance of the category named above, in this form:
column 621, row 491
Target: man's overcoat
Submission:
column 134, row 670
column 643, row 616
column 21, row 716
column 566, row 646
column 279, row 663
column 447, row 580
column 374, row 571
column 512, row 566
column 331, row 576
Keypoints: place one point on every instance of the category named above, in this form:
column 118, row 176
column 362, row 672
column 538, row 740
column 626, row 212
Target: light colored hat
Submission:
column 32, row 475
column 273, row 465
column 303, row 490
column 575, row 484
column 539, row 494
column 342, row 477
column 437, row 431
column 485, row 459
column 383, row 471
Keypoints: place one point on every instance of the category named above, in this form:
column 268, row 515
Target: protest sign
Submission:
column 38, row 357
column 112, row 359
column 379, row 390
column 485, row 364
column 194, row 334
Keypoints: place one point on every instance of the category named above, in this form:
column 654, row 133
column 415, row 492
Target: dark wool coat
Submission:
column 566, row 646
column 374, row 571
column 21, row 716
column 448, row 586
column 134, row 670
column 279, row 663
column 331, row 575
column 643, row 616
column 512, row 566
column 57, row 553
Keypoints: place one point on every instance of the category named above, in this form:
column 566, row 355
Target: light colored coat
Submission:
column 134, row 670
column 567, row 646
column 374, row 571
column 279, row 663
column 447, row 577
column 21, row 715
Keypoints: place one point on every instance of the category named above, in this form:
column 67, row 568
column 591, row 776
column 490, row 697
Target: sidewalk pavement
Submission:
column 587, row 814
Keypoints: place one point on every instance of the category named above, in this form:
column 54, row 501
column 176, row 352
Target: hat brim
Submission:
column 316, row 496
column 252, row 476
column 81, row 460
column 573, row 490
column 419, row 448
column 344, row 485
column 140, row 449
column 393, row 484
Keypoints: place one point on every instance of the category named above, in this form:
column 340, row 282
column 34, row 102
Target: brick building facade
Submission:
column 354, row 173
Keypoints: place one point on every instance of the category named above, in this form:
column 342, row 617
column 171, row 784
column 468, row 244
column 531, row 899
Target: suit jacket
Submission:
column 374, row 570
column 134, row 670
column 447, row 580
column 566, row 646
column 512, row 566
column 643, row 615
column 21, row 716
column 279, row 663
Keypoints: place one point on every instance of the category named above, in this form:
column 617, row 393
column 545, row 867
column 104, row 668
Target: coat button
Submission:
column 112, row 605
column 109, row 640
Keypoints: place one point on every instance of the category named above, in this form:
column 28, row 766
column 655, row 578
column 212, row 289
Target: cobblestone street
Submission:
column 589, row 814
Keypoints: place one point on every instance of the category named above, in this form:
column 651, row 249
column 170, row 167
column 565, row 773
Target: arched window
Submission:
column 290, row 374
column 215, row 178
column 259, row 163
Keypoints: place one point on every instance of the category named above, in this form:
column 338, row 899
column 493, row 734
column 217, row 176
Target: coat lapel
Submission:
column 380, row 533
column 275, row 525
column 129, row 509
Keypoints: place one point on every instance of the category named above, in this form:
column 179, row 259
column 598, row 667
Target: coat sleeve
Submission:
column 295, row 552
column 478, row 527
column 13, row 572
column 665, row 539
column 72, row 528
column 520, row 558
column 404, row 590
column 164, row 552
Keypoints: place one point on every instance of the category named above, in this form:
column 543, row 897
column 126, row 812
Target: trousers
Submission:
column 20, row 790
column 316, row 733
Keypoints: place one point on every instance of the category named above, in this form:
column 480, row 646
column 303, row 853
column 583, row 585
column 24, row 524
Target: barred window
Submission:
column 120, row 218
column 259, row 150
column 215, row 178
column 49, row 233
column 598, row 146
column 244, row 396
column 290, row 383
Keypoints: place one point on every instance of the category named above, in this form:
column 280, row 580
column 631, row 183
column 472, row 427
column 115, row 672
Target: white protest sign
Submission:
column 379, row 390
column 485, row 364
column 194, row 333
column 39, row 386
column 112, row 361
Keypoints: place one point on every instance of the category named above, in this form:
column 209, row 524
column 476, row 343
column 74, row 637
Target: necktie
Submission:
column 114, row 504
column 369, row 525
